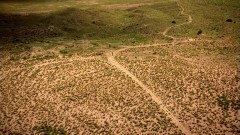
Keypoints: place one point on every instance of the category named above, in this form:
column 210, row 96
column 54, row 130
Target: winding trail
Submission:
column 111, row 59
column 169, row 28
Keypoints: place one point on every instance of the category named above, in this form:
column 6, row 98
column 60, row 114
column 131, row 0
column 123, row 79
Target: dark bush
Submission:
column 174, row 22
column 63, row 51
column 223, row 102
column 49, row 130
column 199, row 32
column 229, row 20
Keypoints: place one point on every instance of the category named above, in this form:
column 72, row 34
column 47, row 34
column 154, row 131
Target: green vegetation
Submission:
column 210, row 16
column 225, row 103
column 63, row 51
column 47, row 24
column 49, row 130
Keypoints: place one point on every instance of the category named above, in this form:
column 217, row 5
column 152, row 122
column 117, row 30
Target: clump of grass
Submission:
column 226, row 103
column 26, row 57
column 193, row 54
column 223, row 102
column 40, row 57
column 63, row 51
column 95, row 43
column 99, row 53
column 49, row 130
column 14, row 58
column 235, row 104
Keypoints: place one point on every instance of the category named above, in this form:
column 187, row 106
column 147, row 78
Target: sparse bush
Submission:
column 99, row 53
column 49, row 130
column 199, row 32
column 14, row 58
column 48, row 56
column 235, row 104
column 26, row 57
column 227, row 103
column 94, row 43
column 229, row 20
column 223, row 102
column 63, row 51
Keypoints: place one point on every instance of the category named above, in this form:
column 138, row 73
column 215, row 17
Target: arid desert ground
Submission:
column 152, row 67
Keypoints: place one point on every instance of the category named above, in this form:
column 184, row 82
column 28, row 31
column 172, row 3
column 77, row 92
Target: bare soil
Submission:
column 148, row 89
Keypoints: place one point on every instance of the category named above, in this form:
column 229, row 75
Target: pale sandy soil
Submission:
column 147, row 89
column 125, row 6
column 86, row 96
column 188, row 87
column 52, row 8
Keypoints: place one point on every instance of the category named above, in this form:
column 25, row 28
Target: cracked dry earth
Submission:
column 86, row 96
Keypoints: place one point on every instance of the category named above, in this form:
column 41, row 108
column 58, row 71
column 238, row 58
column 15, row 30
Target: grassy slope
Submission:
column 81, row 20
column 210, row 16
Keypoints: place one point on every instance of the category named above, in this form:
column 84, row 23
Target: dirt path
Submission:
column 169, row 28
column 113, row 62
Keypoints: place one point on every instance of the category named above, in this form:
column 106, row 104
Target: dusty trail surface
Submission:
column 113, row 61
column 183, row 128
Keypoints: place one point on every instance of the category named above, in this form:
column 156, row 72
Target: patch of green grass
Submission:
column 210, row 16
column 64, row 51
column 26, row 57
column 95, row 44
column 49, row 130
column 78, row 22
column 15, row 58
column 17, row 49
column 193, row 53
